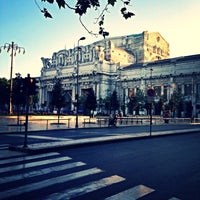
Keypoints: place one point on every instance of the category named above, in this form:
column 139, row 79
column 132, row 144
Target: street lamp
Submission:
column 77, row 85
column 151, row 94
column 14, row 50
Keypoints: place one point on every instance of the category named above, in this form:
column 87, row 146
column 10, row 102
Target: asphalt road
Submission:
column 163, row 168
column 171, row 165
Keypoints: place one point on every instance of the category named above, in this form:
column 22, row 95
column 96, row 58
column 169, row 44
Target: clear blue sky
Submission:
column 21, row 22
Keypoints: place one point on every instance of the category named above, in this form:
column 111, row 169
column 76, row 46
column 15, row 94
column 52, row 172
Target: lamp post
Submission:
column 14, row 50
column 77, row 85
column 151, row 94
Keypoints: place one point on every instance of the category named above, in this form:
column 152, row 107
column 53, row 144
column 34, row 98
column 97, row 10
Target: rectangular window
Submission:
column 187, row 89
column 165, row 91
column 179, row 89
column 198, row 91
column 157, row 90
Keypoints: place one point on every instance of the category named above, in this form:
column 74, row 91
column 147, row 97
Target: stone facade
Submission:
column 181, row 74
column 155, row 47
column 123, row 64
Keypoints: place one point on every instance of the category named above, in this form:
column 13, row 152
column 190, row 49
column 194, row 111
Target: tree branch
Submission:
column 37, row 5
column 90, row 32
column 72, row 8
column 81, row 8
column 102, row 13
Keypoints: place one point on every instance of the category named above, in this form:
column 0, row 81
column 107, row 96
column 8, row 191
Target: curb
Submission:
column 53, row 146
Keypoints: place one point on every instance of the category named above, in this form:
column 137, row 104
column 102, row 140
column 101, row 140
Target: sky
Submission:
column 21, row 22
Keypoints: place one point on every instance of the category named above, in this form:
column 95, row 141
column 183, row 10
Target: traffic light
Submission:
column 32, row 86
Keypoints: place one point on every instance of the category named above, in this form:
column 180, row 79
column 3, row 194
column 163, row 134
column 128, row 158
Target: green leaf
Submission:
column 100, row 30
column 46, row 13
column 61, row 3
column 94, row 3
column 105, row 34
column 82, row 6
column 128, row 15
column 126, row 2
column 50, row 1
column 100, row 23
column 123, row 9
column 111, row 2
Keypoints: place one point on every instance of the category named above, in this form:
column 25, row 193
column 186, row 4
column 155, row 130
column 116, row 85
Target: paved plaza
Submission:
column 10, row 124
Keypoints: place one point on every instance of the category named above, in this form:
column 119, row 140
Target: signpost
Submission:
column 30, row 88
column 150, row 94
column 26, row 88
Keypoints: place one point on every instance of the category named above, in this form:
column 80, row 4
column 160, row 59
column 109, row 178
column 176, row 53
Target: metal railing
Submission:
column 10, row 125
column 137, row 120
column 44, row 124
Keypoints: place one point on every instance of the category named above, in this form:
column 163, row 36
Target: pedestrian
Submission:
column 112, row 120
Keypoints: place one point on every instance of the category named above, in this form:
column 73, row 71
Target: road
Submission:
column 162, row 168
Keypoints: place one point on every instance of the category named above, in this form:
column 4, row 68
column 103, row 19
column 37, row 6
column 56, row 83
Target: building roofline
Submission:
column 116, row 37
column 164, row 61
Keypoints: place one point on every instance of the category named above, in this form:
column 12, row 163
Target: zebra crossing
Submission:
column 3, row 146
column 25, row 176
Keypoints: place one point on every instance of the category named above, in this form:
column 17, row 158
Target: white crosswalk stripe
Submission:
column 26, row 158
column 56, row 170
column 41, row 172
column 5, row 154
column 33, row 164
column 3, row 146
column 133, row 193
column 84, row 189
column 48, row 182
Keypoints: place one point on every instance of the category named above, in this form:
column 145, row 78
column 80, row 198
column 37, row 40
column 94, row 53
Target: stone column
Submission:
column 126, row 100
column 162, row 90
column 194, row 95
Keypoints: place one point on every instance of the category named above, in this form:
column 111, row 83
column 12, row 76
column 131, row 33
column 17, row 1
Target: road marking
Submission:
column 48, row 138
column 41, row 137
column 34, row 164
column 48, row 182
column 86, row 188
column 132, row 193
column 44, row 171
column 26, row 158
column 3, row 146
column 5, row 154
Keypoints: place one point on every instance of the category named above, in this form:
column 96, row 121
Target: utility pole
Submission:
column 77, row 83
column 26, row 88
column 14, row 50
column 151, row 94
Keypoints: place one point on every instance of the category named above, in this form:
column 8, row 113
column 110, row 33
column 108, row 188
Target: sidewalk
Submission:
column 8, row 124
column 58, row 145
column 37, row 123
